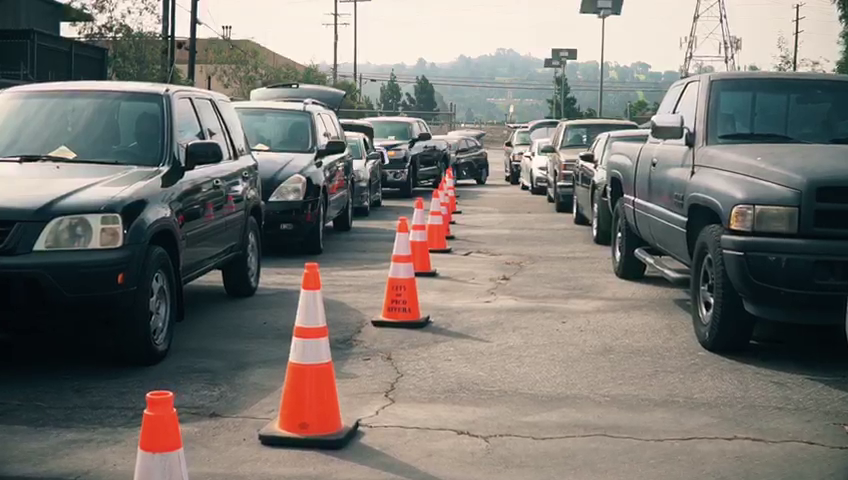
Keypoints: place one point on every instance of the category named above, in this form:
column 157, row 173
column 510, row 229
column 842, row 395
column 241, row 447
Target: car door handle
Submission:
column 217, row 183
column 653, row 162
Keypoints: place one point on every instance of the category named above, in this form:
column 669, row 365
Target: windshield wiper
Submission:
column 53, row 158
column 759, row 136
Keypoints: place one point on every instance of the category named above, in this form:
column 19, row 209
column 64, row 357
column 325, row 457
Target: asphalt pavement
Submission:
column 539, row 364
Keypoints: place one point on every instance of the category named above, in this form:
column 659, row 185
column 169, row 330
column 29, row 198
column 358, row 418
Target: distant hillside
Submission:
column 488, row 84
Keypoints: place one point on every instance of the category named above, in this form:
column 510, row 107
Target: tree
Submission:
column 842, row 63
column 242, row 69
column 785, row 56
column 130, row 30
column 425, row 97
column 390, row 95
column 469, row 115
column 314, row 75
column 572, row 109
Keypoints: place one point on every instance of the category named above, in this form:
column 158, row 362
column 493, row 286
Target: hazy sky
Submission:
column 394, row 31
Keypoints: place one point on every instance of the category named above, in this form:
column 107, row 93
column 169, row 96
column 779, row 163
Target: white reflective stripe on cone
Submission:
column 418, row 217
column 444, row 209
column 418, row 236
column 402, row 244
column 435, row 219
column 434, row 204
column 160, row 466
column 401, row 270
column 450, row 192
column 310, row 351
column 310, row 309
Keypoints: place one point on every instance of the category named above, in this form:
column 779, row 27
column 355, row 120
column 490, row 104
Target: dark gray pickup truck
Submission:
column 744, row 183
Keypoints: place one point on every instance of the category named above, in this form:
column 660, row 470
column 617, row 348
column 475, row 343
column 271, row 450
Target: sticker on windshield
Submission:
column 392, row 137
column 63, row 152
column 261, row 146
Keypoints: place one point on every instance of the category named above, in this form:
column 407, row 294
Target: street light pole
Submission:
column 562, row 92
column 603, row 15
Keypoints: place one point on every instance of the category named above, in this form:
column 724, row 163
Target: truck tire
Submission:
column 241, row 275
column 625, row 242
column 344, row 222
column 484, row 174
column 513, row 178
column 720, row 320
column 562, row 205
column 409, row 186
column 145, row 333
column 577, row 217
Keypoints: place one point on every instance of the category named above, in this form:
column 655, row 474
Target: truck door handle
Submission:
column 653, row 162
column 217, row 183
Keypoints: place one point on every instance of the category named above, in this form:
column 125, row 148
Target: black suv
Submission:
column 306, row 169
column 115, row 196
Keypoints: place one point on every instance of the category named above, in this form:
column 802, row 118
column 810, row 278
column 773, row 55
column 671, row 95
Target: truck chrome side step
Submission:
column 675, row 276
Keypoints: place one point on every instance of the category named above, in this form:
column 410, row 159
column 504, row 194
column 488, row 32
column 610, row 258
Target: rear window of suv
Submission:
column 583, row 135
column 276, row 130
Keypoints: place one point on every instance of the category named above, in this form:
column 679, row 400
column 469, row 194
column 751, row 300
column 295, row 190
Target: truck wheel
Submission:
column 313, row 243
column 721, row 322
column 406, row 189
column 378, row 202
column 513, row 178
column 365, row 209
column 344, row 222
column 624, row 261
column 241, row 275
column 600, row 225
column 577, row 217
column 562, row 205
column 144, row 337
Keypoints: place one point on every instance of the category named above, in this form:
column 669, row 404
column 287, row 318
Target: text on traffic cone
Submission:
column 400, row 305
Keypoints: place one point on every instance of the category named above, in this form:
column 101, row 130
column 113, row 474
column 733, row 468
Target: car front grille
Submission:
column 828, row 211
column 6, row 229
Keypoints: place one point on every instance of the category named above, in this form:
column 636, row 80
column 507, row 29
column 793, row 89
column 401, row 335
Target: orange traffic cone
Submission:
column 160, row 446
column 435, row 227
column 309, row 409
column 453, row 176
column 443, row 207
column 400, row 306
column 418, row 243
column 452, row 195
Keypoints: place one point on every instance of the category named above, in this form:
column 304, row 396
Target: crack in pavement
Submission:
column 389, row 393
column 504, row 279
column 734, row 438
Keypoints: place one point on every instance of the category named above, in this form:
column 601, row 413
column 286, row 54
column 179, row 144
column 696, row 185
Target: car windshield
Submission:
column 769, row 110
column 83, row 126
column 543, row 132
column 275, row 130
column 354, row 148
column 583, row 135
column 522, row 137
column 389, row 130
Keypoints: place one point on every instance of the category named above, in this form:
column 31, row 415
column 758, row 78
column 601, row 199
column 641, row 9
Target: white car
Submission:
column 534, row 166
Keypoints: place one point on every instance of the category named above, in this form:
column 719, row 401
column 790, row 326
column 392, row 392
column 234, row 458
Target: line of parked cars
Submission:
column 737, row 189
column 118, row 194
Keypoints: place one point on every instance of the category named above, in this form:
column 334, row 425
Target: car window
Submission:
column 583, row 134
column 275, row 130
column 392, row 130
column 540, row 145
column 687, row 105
column 522, row 137
column 332, row 129
column 543, row 132
column 423, row 127
column 474, row 143
column 600, row 144
column 368, row 147
column 670, row 99
column 212, row 125
column 188, row 125
column 355, row 149
column 234, row 126
column 84, row 126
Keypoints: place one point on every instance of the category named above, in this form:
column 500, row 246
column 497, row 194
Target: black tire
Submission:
column 624, row 261
column 344, row 222
column 438, row 180
column 484, row 175
column 548, row 194
column 411, row 182
column 524, row 186
column 313, row 242
column 535, row 189
column 241, row 276
column 720, row 320
column 600, row 222
column 562, row 205
column 577, row 217
column 379, row 201
column 513, row 178
column 143, row 340
column 365, row 210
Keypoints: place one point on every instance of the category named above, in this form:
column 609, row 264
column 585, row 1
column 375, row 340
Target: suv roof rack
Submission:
column 328, row 97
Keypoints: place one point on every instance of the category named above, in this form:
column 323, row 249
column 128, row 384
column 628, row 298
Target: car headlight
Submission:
column 396, row 153
column 516, row 157
column 292, row 189
column 764, row 219
column 82, row 232
column 359, row 175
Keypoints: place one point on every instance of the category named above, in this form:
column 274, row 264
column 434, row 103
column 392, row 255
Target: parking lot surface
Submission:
column 539, row 364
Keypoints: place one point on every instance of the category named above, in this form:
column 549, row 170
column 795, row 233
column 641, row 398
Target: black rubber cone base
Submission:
column 453, row 222
column 449, row 237
column 429, row 273
column 441, row 250
column 458, row 212
column 272, row 436
column 420, row 323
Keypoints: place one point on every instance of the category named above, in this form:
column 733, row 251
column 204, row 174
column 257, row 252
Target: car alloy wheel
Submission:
column 159, row 307
column 253, row 258
column 595, row 219
column 706, row 290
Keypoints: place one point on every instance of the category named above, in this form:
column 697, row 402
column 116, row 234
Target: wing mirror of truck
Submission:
column 202, row 152
column 587, row 157
column 667, row 126
column 508, row 144
column 547, row 150
column 333, row 147
column 374, row 157
column 425, row 136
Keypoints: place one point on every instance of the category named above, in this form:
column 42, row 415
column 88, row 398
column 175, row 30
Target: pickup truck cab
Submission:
column 116, row 195
column 741, row 191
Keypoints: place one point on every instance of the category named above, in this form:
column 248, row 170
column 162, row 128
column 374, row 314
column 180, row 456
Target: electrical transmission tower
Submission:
column 709, row 41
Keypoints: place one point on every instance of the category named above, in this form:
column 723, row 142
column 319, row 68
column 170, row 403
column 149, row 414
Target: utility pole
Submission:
column 355, row 22
column 192, row 42
column 335, row 26
column 166, row 50
column 603, row 15
column 172, row 44
column 798, row 32
column 562, row 92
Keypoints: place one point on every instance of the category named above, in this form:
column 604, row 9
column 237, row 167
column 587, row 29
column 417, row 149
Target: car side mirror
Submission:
column 374, row 156
column 547, row 150
column 507, row 144
column 587, row 157
column 424, row 136
column 202, row 152
column 333, row 147
column 667, row 126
